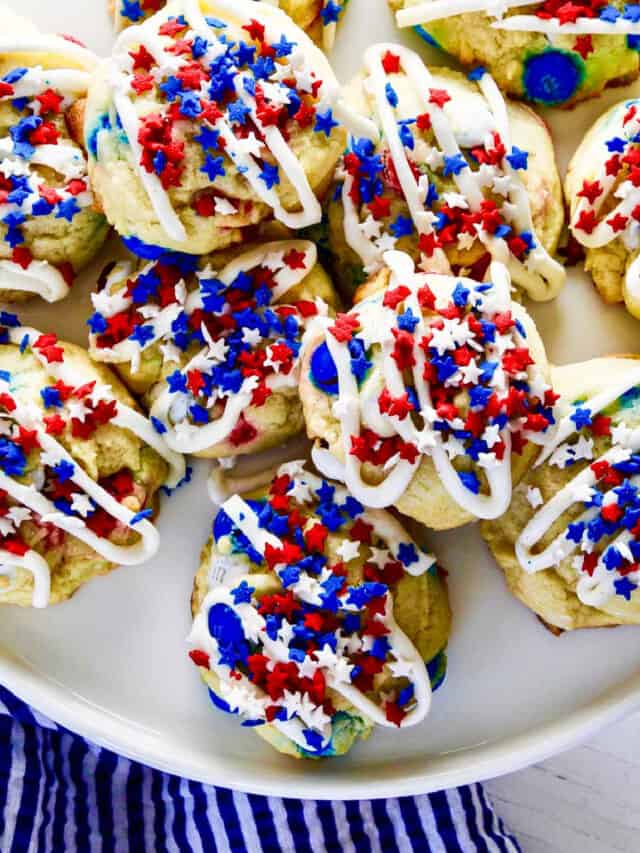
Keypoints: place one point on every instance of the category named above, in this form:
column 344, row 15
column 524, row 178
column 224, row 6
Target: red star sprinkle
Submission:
column 587, row 221
column 394, row 297
column 46, row 345
column 171, row 28
column 54, row 424
column 22, row 256
column 255, row 30
column 380, row 207
column 583, row 45
column 50, row 101
column 142, row 83
column 590, row 190
column 428, row 243
column 391, row 62
column 439, row 97
column 345, row 327
column 612, row 166
column 142, row 59
column 617, row 222
column 316, row 537
column 27, row 439
column 295, row 260
column 398, row 407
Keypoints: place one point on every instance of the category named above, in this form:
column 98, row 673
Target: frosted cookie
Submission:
column 552, row 53
column 80, row 467
column 49, row 228
column 456, row 176
column 214, row 344
column 570, row 543
column 318, row 18
column 211, row 117
column 430, row 395
column 315, row 619
column 603, row 192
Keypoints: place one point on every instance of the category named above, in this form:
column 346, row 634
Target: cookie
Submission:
column 569, row 543
column 430, row 395
column 49, row 228
column 456, row 176
column 318, row 18
column 315, row 619
column 214, row 344
column 552, row 53
column 603, row 193
column 210, row 118
column 80, row 468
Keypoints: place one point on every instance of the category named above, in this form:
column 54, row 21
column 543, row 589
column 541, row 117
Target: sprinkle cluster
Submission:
column 232, row 91
column 569, row 12
column 607, row 534
column 68, row 412
column 135, row 11
column 476, row 364
column 228, row 336
column 622, row 171
column 446, row 219
column 323, row 629
column 37, row 137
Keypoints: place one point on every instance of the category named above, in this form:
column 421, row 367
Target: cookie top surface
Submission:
column 60, row 416
column 319, row 18
column 49, row 229
column 586, row 525
column 448, row 181
column 429, row 366
column 212, row 343
column 550, row 17
column 225, row 118
column 299, row 605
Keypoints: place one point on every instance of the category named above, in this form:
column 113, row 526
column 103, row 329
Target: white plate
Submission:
column 112, row 664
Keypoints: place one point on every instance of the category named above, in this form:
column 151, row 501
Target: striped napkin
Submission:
column 60, row 794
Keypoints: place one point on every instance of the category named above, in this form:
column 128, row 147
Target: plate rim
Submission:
column 451, row 769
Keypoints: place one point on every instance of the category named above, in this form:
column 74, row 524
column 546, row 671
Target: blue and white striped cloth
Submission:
column 60, row 794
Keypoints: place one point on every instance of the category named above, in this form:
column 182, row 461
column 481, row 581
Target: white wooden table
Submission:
column 584, row 801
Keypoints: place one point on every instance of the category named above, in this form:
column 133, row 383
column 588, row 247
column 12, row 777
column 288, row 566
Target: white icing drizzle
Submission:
column 353, row 410
column 596, row 589
column 31, row 417
column 251, row 699
column 244, row 156
column 540, row 275
column 38, row 43
column 39, row 278
column 434, row 10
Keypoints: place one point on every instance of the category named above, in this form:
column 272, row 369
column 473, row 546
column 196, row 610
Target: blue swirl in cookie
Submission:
column 552, row 77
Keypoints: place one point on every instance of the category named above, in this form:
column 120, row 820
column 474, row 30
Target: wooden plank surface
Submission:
column 583, row 801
